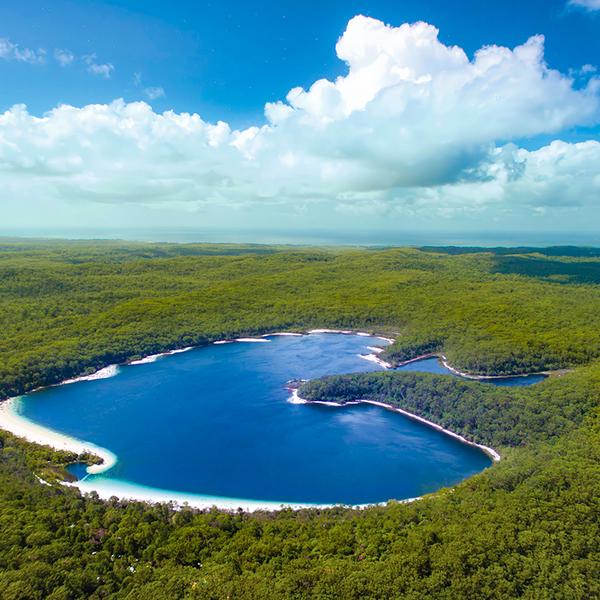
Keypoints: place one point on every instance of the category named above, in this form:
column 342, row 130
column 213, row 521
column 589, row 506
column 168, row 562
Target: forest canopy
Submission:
column 525, row 527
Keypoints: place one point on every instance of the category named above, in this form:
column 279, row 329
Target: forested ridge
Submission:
column 483, row 413
column 525, row 527
column 69, row 308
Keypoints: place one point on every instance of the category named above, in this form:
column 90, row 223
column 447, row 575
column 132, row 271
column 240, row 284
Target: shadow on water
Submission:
column 78, row 470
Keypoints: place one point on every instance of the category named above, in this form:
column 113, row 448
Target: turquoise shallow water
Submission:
column 216, row 421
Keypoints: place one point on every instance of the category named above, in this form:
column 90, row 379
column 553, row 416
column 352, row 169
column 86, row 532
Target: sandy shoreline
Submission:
column 465, row 375
column 375, row 359
column 130, row 491
column 11, row 420
column 154, row 357
column 103, row 373
column 264, row 337
column 20, row 426
column 442, row 358
column 493, row 454
column 351, row 332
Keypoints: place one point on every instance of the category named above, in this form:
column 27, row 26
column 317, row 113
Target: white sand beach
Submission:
column 104, row 373
column 282, row 334
column 130, row 491
column 375, row 349
column 385, row 339
column 147, row 359
column 375, row 359
column 12, row 421
column 153, row 357
column 342, row 331
column 466, row 375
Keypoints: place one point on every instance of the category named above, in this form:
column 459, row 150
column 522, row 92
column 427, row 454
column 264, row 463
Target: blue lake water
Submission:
column 433, row 365
column 216, row 421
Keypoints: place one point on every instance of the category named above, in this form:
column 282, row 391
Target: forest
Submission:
column 525, row 527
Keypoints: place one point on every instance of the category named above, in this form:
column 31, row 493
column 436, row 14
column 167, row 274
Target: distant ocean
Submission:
column 320, row 237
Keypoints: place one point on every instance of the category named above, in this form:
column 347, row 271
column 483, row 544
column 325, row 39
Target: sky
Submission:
column 398, row 115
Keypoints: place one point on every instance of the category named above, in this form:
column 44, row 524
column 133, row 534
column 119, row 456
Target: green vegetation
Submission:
column 526, row 527
column 483, row 413
column 72, row 307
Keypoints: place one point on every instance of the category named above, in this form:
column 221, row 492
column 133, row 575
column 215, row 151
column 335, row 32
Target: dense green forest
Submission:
column 526, row 527
column 486, row 414
column 72, row 307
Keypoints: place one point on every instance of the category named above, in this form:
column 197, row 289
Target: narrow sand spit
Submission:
column 375, row 359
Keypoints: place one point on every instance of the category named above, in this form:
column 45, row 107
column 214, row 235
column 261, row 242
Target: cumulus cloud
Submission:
column 10, row 51
column 102, row 69
column 587, row 4
column 414, row 125
column 152, row 93
column 63, row 57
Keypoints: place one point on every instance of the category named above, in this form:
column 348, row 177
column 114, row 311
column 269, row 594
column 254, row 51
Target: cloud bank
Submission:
column 587, row 4
column 11, row 51
column 414, row 125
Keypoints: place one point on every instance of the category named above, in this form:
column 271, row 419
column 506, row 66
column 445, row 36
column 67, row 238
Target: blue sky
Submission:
column 224, row 60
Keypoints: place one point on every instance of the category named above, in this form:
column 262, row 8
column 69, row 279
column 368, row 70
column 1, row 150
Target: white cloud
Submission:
column 587, row 4
column 102, row 69
column 63, row 57
column 415, row 126
column 10, row 51
column 152, row 93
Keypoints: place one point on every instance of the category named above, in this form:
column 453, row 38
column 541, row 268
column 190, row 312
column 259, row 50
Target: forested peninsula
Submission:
column 525, row 527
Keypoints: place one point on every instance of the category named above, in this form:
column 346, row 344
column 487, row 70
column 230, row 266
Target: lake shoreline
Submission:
column 12, row 421
column 465, row 374
column 138, row 493
column 493, row 454
column 111, row 369
column 20, row 426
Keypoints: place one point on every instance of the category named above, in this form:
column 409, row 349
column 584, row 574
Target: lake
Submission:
column 215, row 423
